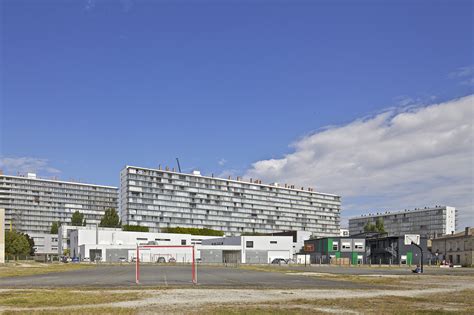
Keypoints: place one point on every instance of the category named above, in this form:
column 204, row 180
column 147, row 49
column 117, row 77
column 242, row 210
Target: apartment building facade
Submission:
column 428, row 222
column 32, row 204
column 455, row 248
column 161, row 198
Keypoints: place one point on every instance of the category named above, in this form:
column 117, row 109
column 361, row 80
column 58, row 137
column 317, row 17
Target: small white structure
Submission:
column 246, row 249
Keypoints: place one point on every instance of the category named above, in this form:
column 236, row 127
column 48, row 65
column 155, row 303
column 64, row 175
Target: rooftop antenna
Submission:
column 179, row 166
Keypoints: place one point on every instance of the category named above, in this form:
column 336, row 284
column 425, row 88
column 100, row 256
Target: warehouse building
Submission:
column 246, row 249
column 384, row 249
column 109, row 244
column 428, row 222
column 161, row 198
column 33, row 204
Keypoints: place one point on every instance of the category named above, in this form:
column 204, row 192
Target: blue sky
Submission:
column 90, row 86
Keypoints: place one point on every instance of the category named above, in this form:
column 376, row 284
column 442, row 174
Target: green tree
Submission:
column 55, row 227
column 31, row 243
column 110, row 219
column 77, row 219
column 379, row 227
column 16, row 244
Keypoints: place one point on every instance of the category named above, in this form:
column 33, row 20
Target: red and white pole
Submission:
column 137, row 266
column 193, row 267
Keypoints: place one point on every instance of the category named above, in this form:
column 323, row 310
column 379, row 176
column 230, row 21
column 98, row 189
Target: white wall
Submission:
column 115, row 237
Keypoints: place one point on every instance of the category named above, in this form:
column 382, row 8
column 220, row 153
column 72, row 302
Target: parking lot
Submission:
column 180, row 275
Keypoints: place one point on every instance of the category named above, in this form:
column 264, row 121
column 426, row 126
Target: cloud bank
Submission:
column 398, row 159
column 12, row 166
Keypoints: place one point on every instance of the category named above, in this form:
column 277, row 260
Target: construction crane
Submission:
column 179, row 166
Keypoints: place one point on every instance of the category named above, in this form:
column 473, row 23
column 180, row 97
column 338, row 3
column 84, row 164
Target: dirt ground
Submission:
column 406, row 295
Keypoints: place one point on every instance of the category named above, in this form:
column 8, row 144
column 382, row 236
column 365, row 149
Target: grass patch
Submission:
column 18, row 270
column 57, row 298
column 89, row 311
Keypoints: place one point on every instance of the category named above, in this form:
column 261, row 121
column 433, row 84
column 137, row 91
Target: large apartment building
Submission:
column 427, row 222
column 161, row 198
column 31, row 204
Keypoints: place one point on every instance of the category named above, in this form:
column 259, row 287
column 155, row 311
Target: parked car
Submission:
column 134, row 259
column 279, row 261
column 199, row 260
column 172, row 260
column 290, row 261
column 75, row 259
column 161, row 260
column 86, row 259
column 98, row 259
column 123, row 260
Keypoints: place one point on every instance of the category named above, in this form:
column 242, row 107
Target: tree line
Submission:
column 111, row 219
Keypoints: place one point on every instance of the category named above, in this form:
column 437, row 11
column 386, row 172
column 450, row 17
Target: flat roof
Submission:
column 374, row 215
column 230, row 180
column 57, row 181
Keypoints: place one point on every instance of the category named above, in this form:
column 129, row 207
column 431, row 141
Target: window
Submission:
column 273, row 242
column 183, row 242
column 335, row 246
column 249, row 244
column 346, row 245
column 358, row 245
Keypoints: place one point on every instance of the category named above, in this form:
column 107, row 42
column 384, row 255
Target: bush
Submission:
column 192, row 231
column 135, row 228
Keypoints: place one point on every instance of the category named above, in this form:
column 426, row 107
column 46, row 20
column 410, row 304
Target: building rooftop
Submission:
column 33, row 176
column 386, row 213
column 237, row 180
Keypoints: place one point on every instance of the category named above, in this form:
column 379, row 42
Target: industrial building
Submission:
column 109, row 244
column 384, row 249
column 428, row 222
column 455, row 248
column 161, row 198
column 337, row 250
column 33, row 204
column 246, row 249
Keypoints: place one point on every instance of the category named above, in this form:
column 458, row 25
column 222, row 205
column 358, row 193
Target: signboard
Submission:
column 412, row 238
column 309, row 247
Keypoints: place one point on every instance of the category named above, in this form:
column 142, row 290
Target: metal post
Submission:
column 137, row 266
column 421, row 251
column 193, row 267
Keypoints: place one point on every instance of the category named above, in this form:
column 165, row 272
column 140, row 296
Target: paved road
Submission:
column 155, row 275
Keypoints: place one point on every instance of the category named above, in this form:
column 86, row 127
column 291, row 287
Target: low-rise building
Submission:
column 45, row 244
column 384, row 249
column 457, row 248
column 336, row 250
column 108, row 244
column 246, row 249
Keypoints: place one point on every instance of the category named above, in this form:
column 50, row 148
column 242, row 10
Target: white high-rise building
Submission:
column 427, row 222
column 160, row 198
column 32, row 204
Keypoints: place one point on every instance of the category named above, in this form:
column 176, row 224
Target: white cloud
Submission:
column 465, row 74
column 23, row 165
column 222, row 162
column 395, row 160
